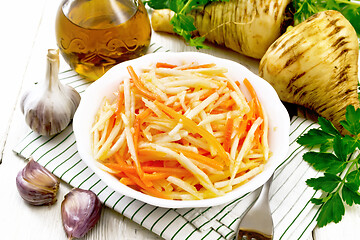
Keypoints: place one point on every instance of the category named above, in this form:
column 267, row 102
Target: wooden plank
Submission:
column 16, row 44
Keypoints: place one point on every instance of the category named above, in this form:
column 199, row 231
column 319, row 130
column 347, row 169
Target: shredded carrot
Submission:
column 119, row 175
column 228, row 133
column 155, row 176
column 258, row 109
column 227, row 104
column 127, row 181
column 112, row 121
column 151, row 154
column 207, row 94
column 241, row 129
column 165, row 65
column 138, row 121
column 210, row 65
column 250, row 88
column 254, row 96
column 153, row 163
column 151, row 190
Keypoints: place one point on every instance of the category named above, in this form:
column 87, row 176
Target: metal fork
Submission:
column 257, row 223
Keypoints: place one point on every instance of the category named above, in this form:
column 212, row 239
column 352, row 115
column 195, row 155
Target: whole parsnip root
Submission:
column 315, row 65
column 247, row 27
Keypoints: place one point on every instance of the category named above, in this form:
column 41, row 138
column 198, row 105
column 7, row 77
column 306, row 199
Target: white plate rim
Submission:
column 107, row 84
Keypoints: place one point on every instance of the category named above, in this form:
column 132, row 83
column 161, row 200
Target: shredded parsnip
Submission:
column 181, row 132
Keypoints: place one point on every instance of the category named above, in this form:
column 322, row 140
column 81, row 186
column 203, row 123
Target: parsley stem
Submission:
column 343, row 180
column 353, row 162
column 185, row 6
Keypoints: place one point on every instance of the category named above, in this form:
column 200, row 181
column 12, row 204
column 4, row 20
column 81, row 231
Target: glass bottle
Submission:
column 94, row 35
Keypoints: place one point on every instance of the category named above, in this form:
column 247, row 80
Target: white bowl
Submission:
column 279, row 123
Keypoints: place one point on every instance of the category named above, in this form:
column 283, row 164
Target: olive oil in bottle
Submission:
column 94, row 35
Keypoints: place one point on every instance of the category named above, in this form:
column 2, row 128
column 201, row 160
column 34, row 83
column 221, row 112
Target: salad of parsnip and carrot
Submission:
column 181, row 132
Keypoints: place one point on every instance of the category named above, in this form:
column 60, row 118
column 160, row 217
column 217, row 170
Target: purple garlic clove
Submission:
column 80, row 211
column 36, row 184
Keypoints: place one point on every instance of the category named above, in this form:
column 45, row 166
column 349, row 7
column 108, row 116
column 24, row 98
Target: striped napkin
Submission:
column 293, row 214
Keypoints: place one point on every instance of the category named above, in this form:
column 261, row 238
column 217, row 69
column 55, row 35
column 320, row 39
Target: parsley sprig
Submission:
column 306, row 8
column 339, row 159
column 182, row 22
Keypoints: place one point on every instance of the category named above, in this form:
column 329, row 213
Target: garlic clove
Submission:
column 49, row 106
column 80, row 211
column 36, row 184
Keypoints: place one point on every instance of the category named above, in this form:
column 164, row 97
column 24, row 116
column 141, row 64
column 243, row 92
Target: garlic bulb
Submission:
column 50, row 105
column 36, row 184
column 80, row 211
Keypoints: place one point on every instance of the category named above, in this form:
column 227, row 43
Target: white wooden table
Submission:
column 27, row 31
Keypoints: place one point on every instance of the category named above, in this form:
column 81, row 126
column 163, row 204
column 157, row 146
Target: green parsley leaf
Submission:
column 198, row 42
column 354, row 177
column 158, row 4
column 325, row 162
column 352, row 122
column 331, row 211
column 352, row 142
column 315, row 137
column 328, row 127
column 327, row 183
column 177, row 6
column 331, row 4
column 341, row 148
column 350, row 194
column 182, row 23
column 324, row 137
